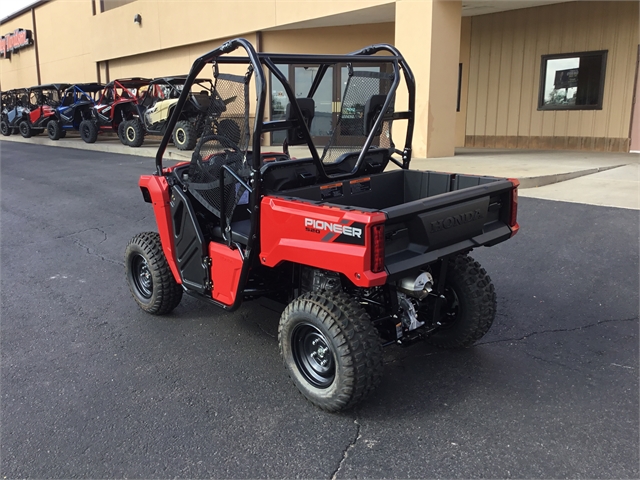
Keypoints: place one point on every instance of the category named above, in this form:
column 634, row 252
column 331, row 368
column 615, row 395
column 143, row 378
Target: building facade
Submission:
column 532, row 74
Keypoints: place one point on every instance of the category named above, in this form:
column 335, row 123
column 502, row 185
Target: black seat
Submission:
column 239, row 231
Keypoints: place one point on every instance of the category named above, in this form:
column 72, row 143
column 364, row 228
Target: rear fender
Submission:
column 155, row 190
column 320, row 236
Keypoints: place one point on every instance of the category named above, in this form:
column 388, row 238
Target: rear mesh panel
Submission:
column 225, row 140
column 349, row 134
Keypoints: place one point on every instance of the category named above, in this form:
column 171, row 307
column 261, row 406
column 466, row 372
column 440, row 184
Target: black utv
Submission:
column 156, row 104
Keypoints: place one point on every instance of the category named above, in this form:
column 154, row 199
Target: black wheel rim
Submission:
column 313, row 355
column 180, row 136
column 85, row 131
column 4, row 128
column 141, row 276
column 24, row 128
column 51, row 130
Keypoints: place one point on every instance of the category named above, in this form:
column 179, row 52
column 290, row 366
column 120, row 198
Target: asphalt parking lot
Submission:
column 92, row 387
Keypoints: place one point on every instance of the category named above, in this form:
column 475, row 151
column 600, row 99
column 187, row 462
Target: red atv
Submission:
column 117, row 105
column 43, row 101
column 363, row 251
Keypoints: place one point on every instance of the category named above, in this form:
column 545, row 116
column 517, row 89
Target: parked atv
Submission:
column 76, row 106
column 156, row 105
column 12, row 110
column 362, row 255
column 117, row 104
column 43, row 101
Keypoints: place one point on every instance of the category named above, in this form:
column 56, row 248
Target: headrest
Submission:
column 295, row 136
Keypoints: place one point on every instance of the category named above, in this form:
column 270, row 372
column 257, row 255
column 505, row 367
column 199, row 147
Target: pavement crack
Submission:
column 552, row 362
column 345, row 454
column 66, row 235
column 265, row 332
column 559, row 330
column 88, row 251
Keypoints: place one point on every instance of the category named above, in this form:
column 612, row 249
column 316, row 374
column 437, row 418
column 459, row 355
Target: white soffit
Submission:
column 387, row 13
column 483, row 7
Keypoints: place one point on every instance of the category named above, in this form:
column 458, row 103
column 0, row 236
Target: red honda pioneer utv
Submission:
column 117, row 104
column 156, row 104
column 363, row 251
column 43, row 101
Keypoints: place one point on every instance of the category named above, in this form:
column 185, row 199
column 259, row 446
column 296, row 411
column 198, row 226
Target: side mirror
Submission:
column 295, row 135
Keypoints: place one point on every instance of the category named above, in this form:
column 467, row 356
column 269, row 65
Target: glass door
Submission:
column 301, row 78
column 328, row 98
column 323, row 119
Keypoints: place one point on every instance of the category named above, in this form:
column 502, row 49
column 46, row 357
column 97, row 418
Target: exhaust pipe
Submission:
column 417, row 287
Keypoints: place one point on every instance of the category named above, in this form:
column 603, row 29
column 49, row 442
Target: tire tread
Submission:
column 358, row 344
column 169, row 292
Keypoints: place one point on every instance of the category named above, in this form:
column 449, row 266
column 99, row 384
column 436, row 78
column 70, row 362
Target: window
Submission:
column 459, row 86
column 573, row 81
column 111, row 4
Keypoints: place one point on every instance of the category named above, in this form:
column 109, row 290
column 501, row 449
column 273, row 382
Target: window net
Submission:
column 225, row 140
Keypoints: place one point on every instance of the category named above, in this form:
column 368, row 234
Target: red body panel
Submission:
column 305, row 233
column 159, row 192
column 226, row 266
column 42, row 111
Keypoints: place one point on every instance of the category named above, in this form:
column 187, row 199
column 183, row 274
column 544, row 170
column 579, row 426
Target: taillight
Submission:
column 513, row 216
column 377, row 249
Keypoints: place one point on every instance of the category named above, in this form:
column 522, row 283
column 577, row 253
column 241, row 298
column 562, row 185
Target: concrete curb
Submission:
column 109, row 143
column 106, row 143
column 541, row 181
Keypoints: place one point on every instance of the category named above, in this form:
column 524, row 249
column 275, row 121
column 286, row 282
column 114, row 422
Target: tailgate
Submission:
column 421, row 231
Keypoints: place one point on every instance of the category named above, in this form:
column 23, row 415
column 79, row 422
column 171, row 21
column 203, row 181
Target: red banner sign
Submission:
column 15, row 41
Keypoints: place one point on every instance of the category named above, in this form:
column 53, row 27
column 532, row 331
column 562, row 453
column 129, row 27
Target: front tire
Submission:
column 184, row 135
column 54, row 130
column 470, row 306
column 88, row 131
column 134, row 133
column 330, row 349
column 25, row 129
column 4, row 128
column 149, row 276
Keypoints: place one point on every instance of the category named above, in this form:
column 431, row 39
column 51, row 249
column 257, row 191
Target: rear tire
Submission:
column 184, row 135
column 88, row 131
column 330, row 349
column 4, row 128
column 471, row 305
column 134, row 133
column 54, row 130
column 25, row 129
column 149, row 276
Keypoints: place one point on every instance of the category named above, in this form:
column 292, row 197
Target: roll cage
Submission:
column 122, row 89
column 82, row 92
column 232, row 176
column 171, row 87
column 260, row 61
column 46, row 95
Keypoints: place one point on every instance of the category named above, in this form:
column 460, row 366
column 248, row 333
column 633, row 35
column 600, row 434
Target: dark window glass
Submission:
column 572, row 81
column 111, row 4
column 459, row 86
